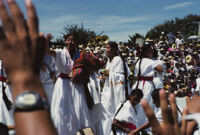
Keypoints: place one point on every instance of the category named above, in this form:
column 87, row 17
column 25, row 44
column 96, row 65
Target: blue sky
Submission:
column 116, row 18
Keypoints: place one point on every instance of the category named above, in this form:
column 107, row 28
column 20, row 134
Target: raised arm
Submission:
column 48, row 51
column 22, row 50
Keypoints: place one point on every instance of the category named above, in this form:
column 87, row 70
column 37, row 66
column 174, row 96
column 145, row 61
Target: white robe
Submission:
column 113, row 91
column 69, row 110
column 147, row 69
column 6, row 117
column 96, row 112
column 158, row 79
column 126, row 114
column 197, row 86
column 46, row 79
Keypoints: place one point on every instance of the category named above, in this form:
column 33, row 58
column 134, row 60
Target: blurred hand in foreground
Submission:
column 21, row 47
column 169, row 125
column 22, row 50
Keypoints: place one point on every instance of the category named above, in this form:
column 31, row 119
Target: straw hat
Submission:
column 188, row 59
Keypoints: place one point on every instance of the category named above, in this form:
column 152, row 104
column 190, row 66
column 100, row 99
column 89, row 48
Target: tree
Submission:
column 84, row 35
column 187, row 26
column 132, row 39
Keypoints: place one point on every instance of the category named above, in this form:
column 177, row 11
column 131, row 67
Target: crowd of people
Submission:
column 102, row 88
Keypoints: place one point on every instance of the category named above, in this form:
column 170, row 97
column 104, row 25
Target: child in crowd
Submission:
column 125, row 119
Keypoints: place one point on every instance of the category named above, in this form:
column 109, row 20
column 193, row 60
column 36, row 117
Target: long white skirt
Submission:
column 6, row 116
column 48, row 88
column 147, row 89
column 69, row 110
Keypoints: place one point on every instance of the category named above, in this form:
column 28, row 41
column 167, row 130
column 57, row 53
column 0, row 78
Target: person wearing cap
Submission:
column 179, row 41
column 189, row 61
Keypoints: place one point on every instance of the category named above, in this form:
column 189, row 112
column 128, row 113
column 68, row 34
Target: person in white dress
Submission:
column 145, row 72
column 69, row 110
column 6, row 100
column 197, row 90
column 48, row 77
column 158, row 79
column 126, row 119
column 157, row 111
column 116, row 87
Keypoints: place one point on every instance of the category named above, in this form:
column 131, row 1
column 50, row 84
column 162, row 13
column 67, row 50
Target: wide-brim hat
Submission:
column 188, row 59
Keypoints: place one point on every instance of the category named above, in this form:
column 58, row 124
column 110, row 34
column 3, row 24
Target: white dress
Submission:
column 69, row 110
column 97, row 110
column 147, row 70
column 6, row 116
column 46, row 79
column 158, row 79
column 113, row 91
column 197, row 86
column 126, row 114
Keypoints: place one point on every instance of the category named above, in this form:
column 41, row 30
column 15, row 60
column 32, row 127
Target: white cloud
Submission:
column 179, row 5
column 124, row 35
column 118, row 27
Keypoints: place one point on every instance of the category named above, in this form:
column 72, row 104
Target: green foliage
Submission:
column 84, row 35
column 187, row 26
column 133, row 38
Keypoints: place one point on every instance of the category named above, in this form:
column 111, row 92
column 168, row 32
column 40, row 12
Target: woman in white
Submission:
column 6, row 116
column 47, row 76
column 116, row 87
column 158, row 79
column 126, row 119
column 69, row 109
column 145, row 72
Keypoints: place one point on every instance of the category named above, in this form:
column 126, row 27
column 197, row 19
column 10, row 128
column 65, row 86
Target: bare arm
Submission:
column 118, row 124
column 159, row 69
column 143, row 127
column 22, row 51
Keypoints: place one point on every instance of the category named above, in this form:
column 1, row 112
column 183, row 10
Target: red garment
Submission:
column 64, row 76
column 85, row 65
column 4, row 79
column 128, row 125
column 145, row 78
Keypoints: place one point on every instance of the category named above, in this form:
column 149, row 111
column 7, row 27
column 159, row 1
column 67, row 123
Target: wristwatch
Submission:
column 30, row 101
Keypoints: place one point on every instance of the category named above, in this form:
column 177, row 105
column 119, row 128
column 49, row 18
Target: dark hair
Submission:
column 143, row 53
column 155, row 95
column 65, row 36
column 76, row 39
column 145, row 48
column 155, row 53
column 137, row 92
column 114, row 46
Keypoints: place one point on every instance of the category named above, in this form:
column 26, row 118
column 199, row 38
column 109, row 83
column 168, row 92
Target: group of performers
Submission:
column 72, row 80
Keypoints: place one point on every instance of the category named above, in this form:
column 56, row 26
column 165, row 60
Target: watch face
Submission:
column 28, row 99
